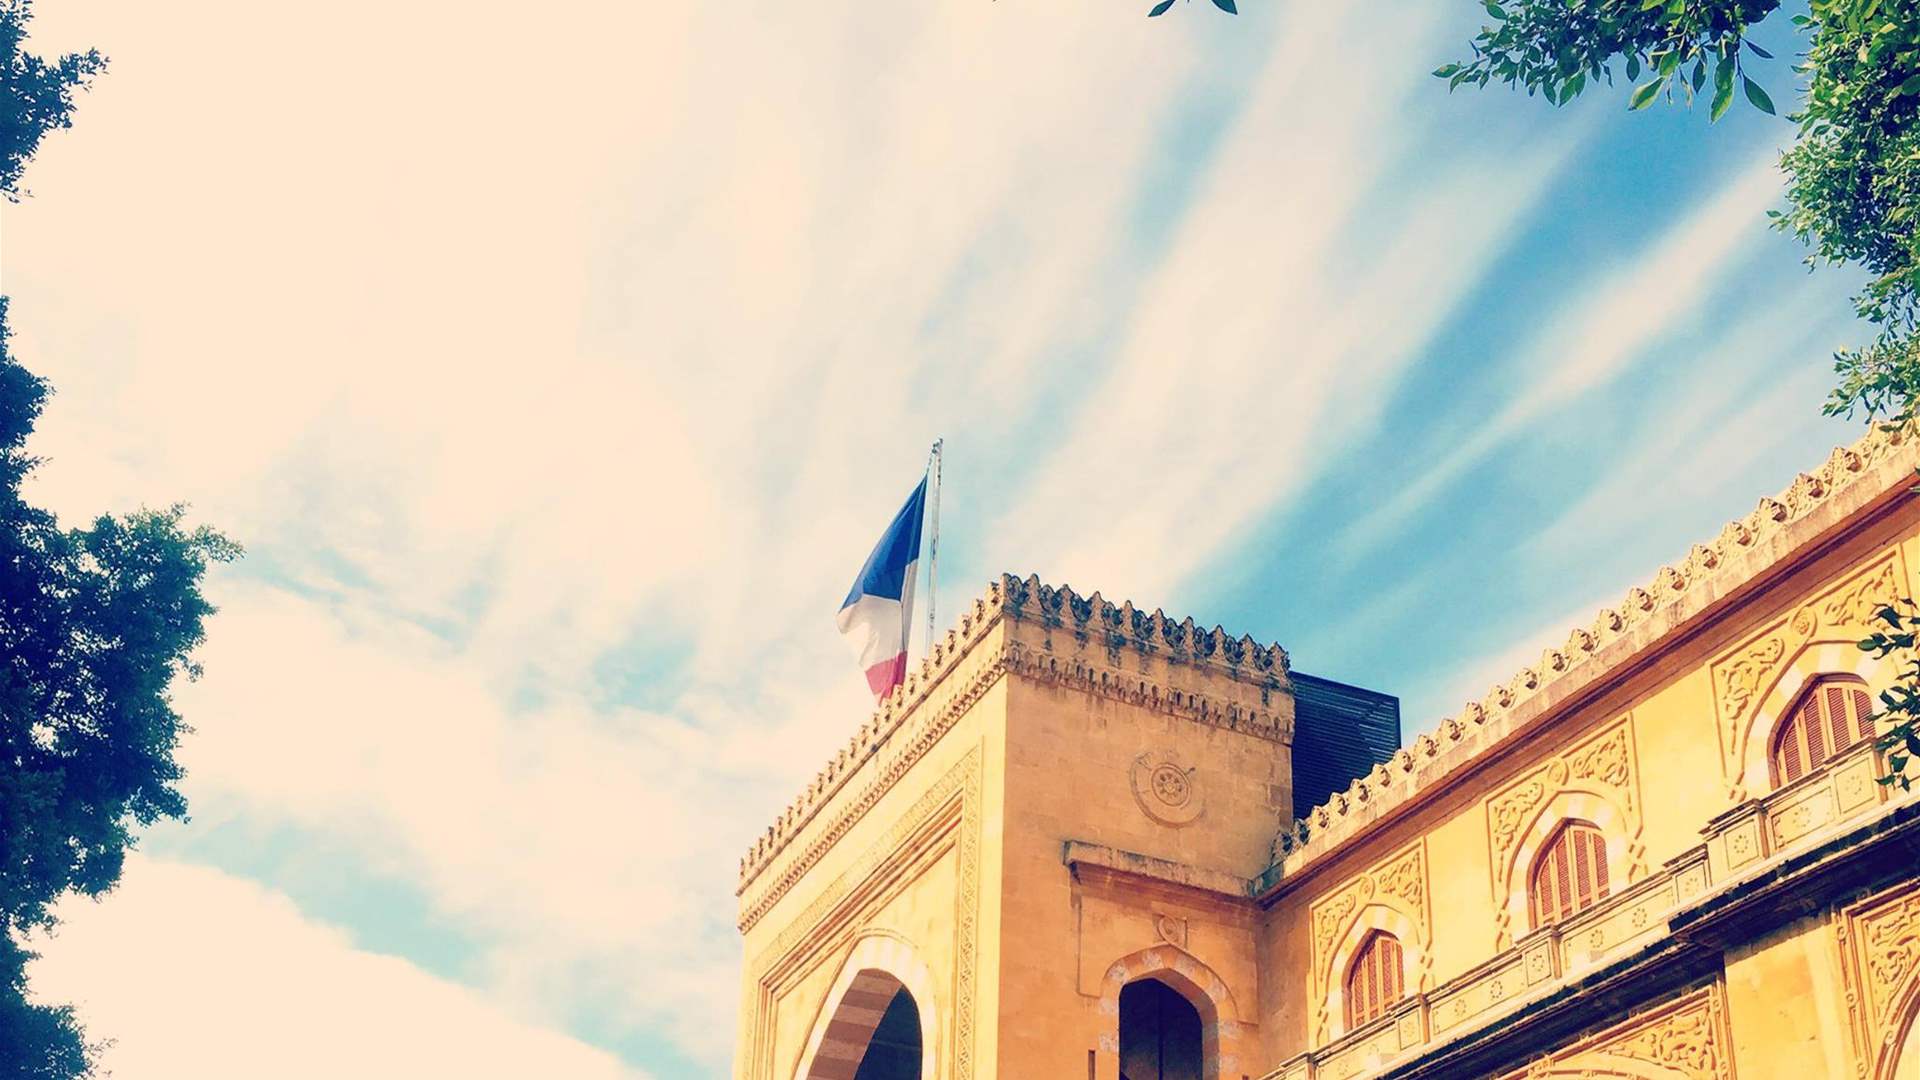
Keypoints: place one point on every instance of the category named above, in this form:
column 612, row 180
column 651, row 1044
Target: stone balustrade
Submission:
column 1738, row 846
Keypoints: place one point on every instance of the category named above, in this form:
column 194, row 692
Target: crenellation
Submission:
column 1603, row 862
column 1120, row 628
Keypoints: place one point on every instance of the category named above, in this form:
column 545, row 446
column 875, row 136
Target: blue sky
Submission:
column 559, row 371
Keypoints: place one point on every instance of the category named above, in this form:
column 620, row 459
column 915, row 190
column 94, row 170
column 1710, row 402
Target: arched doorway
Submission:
column 893, row 1051
column 1160, row 1033
column 873, row 1033
column 881, row 1019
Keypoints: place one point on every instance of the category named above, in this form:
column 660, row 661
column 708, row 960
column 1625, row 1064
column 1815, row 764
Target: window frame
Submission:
column 1382, row 958
column 1580, row 846
column 1806, row 738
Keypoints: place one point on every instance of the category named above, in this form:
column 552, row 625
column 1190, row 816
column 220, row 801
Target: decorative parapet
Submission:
column 1058, row 637
column 1148, row 660
column 1852, row 478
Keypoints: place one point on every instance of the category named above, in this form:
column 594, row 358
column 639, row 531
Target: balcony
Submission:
column 1739, row 845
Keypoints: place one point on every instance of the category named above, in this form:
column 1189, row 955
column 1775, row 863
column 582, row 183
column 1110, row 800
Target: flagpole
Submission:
column 933, row 543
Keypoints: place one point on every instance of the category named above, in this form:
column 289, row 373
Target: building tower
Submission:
column 1017, row 865
column 1086, row 841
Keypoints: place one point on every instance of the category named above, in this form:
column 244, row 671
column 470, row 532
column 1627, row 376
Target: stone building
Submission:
column 1071, row 845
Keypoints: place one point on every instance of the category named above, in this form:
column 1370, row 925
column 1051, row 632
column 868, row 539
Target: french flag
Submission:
column 878, row 613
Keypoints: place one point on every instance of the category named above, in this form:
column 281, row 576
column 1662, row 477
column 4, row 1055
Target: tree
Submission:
column 39, row 95
column 95, row 625
column 1853, row 178
column 1853, row 175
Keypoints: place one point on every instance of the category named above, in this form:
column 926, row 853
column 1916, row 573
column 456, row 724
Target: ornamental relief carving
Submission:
column 1688, row 1038
column 1604, row 768
column 1879, row 941
column 1743, row 676
column 1397, row 883
column 1166, row 788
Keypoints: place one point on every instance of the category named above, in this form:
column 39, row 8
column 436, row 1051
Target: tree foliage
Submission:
column 1853, row 173
column 1899, row 703
column 1853, row 177
column 38, row 95
column 95, row 625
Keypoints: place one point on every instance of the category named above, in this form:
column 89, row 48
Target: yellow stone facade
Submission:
column 1070, row 797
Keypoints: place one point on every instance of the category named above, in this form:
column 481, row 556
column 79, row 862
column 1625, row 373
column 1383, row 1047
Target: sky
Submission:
column 558, row 365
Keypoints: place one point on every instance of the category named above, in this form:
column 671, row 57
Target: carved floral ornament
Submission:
column 1879, row 942
column 1754, row 681
column 1688, row 1038
column 1391, row 896
column 1677, row 592
column 1596, row 782
column 1166, row 788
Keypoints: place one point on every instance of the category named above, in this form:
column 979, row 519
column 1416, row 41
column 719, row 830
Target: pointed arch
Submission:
column 1373, row 918
column 1590, row 806
column 1777, row 706
column 1893, row 1056
column 1569, row 875
column 879, row 965
column 1832, row 714
column 1224, row 1039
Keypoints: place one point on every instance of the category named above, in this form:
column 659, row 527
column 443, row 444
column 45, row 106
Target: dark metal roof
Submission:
column 1340, row 733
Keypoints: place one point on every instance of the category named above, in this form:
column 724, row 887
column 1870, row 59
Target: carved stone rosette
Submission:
column 1166, row 788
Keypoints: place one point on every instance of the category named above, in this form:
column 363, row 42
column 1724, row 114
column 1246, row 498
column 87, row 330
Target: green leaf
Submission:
column 1760, row 52
column 1446, row 71
column 1758, row 96
column 1699, row 73
column 1723, row 97
column 1911, row 86
column 1643, row 96
column 1495, row 10
column 1160, row 9
column 1226, row 6
column 1633, row 68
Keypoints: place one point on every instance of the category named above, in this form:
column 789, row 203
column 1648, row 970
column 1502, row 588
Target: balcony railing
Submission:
column 1738, row 845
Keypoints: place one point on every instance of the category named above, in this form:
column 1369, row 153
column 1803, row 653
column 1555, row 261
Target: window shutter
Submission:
column 1833, row 716
column 1374, row 981
column 1570, row 874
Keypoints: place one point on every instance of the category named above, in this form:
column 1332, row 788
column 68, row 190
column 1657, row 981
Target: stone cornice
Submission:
column 1079, row 855
column 1058, row 637
column 1744, row 556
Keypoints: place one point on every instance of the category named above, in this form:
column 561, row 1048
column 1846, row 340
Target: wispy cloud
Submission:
column 1603, row 330
column 196, row 973
column 558, row 369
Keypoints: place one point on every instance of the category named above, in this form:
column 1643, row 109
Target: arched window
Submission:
column 1570, row 875
column 1833, row 716
column 1374, row 981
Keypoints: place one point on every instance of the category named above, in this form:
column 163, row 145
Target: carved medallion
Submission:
column 1171, row 929
column 1167, row 788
